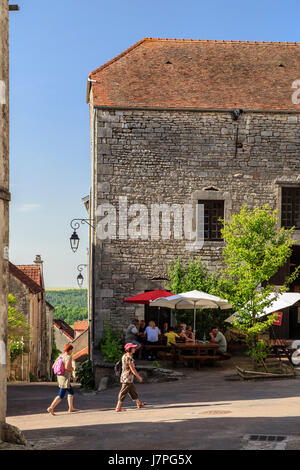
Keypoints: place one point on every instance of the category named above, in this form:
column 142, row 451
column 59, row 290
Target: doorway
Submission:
column 158, row 314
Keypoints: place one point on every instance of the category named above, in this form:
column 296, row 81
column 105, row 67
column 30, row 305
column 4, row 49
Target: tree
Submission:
column 18, row 328
column 196, row 276
column 110, row 345
column 255, row 250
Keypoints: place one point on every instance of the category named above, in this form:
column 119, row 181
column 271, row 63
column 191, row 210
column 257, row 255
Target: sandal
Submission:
column 119, row 409
column 140, row 405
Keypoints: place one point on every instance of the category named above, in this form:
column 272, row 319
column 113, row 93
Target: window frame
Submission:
column 284, row 216
column 208, row 204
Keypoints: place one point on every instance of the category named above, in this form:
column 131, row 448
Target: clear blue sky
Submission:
column 53, row 47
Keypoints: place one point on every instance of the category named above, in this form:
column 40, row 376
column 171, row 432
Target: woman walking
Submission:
column 64, row 362
column 127, row 377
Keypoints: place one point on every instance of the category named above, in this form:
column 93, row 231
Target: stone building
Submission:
column 26, row 283
column 186, row 122
column 79, row 327
column 4, row 201
column 63, row 333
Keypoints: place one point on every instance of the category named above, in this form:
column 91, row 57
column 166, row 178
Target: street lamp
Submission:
column 80, row 277
column 74, row 239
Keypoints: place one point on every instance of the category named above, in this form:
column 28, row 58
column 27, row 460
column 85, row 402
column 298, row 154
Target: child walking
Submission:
column 127, row 377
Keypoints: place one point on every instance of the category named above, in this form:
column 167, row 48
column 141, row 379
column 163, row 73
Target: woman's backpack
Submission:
column 59, row 367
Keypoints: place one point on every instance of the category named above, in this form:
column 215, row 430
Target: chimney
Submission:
column 39, row 262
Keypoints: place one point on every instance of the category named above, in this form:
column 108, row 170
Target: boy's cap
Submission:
column 129, row 346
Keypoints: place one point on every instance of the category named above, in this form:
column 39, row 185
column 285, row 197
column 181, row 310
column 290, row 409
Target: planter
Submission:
column 106, row 378
column 279, row 370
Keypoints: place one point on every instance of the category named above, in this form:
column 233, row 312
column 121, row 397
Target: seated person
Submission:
column 217, row 337
column 182, row 328
column 189, row 334
column 131, row 336
column 185, row 333
column 171, row 336
column 165, row 328
column 152, row 334
column 141, row 331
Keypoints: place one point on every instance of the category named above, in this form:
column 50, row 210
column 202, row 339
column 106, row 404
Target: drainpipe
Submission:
column 92, row 237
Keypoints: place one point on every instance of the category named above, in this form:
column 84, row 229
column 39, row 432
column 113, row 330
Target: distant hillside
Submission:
column 70, row 304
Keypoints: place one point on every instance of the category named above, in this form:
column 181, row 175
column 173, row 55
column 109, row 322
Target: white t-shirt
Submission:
column 152, row 334
column 221, row 340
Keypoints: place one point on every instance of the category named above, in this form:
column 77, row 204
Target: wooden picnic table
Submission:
column 159, row 347
column 194, row 352
column 279, row 348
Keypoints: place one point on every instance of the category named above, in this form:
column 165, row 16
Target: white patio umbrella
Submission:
column 284, row 300
column 191, row 300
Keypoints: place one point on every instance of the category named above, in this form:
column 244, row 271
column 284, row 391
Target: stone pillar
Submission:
column 4, row 201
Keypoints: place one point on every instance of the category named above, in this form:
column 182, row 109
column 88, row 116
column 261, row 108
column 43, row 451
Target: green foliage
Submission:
column 18, row 327
column 156, row 364
column 255, row 250
column 258, row 351
column 70, row 304
column 110, row 345
column 32, row 377
column 195, row 276
column 85, row 375
column 15, row 348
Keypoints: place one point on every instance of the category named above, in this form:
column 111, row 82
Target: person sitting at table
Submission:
column 182, row 328
column 186, row 334
column 165, row 328
column 152, row 334
column 141, row 331
column 171, row 336
column 142, row 336
column 217, row 337
column 132, row 336
column 189, row 334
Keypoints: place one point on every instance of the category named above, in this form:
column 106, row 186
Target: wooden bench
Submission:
column 197, row 359
column 201, row 356
column 279, row 348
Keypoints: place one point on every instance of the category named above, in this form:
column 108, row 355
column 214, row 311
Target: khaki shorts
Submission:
column 128, row 389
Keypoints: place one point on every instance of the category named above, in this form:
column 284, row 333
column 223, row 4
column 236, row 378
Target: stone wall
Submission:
column 21, row 294
column 19, row 368
column 4, row 200
column 60, row 339
column 80, row 343
column 34, row 308
column 179, row 157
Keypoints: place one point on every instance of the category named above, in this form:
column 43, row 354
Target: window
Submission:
column 213, row 211
column 290, row 207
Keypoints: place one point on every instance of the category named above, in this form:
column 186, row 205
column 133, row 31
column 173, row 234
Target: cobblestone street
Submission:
column 202, row 411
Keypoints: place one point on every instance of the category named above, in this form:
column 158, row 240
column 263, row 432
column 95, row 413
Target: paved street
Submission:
column 201, row 411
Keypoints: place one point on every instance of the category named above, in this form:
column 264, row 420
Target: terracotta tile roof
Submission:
column 200, row 74
column 32, row 271
column 64, row 327
column 81, row 325
column 26, row 280
column 80, row 354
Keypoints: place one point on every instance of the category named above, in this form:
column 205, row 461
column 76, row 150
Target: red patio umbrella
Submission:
column 145, row 297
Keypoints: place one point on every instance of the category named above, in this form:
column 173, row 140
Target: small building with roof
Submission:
column 26, row 284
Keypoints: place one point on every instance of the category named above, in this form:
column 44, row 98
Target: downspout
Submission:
column 93, row 233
